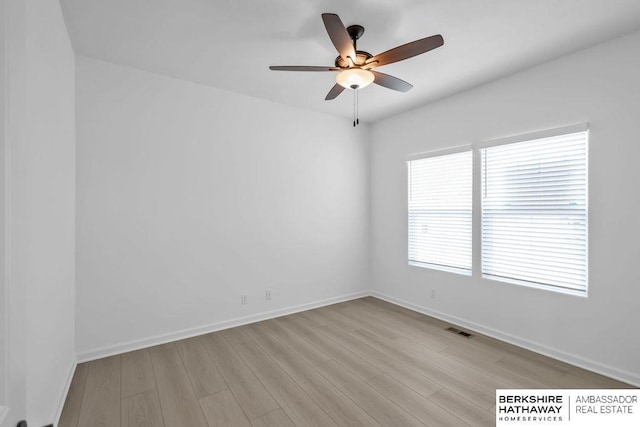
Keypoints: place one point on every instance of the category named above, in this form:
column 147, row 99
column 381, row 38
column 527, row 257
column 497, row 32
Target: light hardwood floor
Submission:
column 359, row 363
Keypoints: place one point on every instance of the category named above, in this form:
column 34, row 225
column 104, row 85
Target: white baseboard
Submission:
column 201, row 330
column 65, row 392
column 590, row 365
column 572, row 359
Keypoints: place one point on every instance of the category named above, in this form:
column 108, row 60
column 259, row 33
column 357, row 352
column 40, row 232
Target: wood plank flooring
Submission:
column 360, row 363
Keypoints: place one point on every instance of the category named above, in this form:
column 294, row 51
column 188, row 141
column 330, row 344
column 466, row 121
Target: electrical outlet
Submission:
column 267, row 294
column 244, row 299
column 433, row 293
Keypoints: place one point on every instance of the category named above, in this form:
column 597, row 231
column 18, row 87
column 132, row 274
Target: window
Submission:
column 440, row 212
column 534, row 212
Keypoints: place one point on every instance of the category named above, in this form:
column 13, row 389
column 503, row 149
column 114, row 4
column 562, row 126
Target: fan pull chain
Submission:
column 356, row 105
column 357, row 108
column 356, row 114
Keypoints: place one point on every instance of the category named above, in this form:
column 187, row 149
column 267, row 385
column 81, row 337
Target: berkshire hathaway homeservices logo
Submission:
column 578, row 408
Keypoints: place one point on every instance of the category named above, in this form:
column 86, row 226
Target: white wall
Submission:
column 15, row 291
column 50, row 171
column 40, row 223
column 189, row 196
column 599, row 86
column 4, row 306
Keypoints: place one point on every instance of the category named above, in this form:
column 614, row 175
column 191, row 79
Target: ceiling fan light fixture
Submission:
column 355, row 78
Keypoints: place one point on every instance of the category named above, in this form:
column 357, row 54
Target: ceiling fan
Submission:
column 355, row 66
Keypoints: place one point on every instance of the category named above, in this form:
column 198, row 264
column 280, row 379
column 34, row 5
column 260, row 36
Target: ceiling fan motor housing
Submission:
column 361, row 58
column 355, row 32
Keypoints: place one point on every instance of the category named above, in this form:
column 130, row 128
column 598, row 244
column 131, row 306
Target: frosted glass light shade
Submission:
column 355, row 78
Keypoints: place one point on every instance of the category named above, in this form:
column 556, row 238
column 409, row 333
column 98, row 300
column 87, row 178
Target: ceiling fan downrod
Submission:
column 355, row 32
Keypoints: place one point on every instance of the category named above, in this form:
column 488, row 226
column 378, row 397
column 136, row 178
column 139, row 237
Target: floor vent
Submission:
column 459, row 332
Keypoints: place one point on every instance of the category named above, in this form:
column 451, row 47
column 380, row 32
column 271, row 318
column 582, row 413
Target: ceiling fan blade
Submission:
column 339, row 36
column 405, row 51
column 301, row 68
column 391, row 82
column 334, row 92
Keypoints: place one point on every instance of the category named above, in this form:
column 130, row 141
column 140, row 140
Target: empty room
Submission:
column 319, row 213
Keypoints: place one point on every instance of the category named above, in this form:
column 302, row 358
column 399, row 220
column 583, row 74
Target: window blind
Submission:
column 534, row 212
column 440, row 211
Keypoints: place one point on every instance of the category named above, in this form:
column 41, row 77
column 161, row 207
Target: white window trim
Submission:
column 456, row 270
column 476, row 229
column 548, row 133
column 541, row 286
column 439, row 153
column 566, row 130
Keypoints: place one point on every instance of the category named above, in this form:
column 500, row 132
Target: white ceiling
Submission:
column 230, row 44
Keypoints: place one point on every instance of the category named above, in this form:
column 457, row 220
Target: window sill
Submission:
column 556, row 289
column 448, row 269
